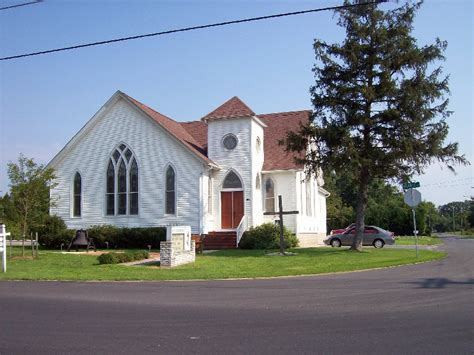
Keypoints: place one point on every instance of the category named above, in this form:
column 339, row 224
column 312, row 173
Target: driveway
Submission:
column 422, row 309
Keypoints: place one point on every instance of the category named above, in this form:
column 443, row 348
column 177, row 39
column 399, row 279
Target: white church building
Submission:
column 131, row 166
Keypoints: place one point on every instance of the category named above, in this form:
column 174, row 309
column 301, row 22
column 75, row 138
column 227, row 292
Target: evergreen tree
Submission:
column 379, row 110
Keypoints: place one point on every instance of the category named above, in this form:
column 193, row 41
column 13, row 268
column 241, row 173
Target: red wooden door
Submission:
column 232, row 209
column 226, row 210
column 238, row 207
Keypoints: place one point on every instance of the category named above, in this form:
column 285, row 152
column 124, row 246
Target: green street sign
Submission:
column 411, row 185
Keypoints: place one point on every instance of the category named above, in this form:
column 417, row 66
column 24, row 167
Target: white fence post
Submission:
column 3, row 246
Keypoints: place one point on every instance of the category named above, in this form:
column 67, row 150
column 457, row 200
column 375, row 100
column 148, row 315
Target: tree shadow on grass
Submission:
column 441, row 282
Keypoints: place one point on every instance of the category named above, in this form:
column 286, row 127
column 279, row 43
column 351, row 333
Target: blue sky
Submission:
column 45, row 100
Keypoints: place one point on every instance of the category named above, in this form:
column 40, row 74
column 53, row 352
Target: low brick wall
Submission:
column 170, row 256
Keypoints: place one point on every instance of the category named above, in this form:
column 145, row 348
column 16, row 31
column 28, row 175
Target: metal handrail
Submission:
column 242, row 227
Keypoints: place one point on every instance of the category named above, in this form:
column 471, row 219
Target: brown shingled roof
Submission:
column 174, row 128
column 198, row 130
column 194, row 134
column 278, row 124
column 234, row 107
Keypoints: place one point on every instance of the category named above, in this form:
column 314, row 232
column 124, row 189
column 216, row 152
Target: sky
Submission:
column 45, row 100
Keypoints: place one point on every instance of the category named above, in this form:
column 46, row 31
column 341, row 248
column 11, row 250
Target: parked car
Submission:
column 340, row 231
column 373, row 235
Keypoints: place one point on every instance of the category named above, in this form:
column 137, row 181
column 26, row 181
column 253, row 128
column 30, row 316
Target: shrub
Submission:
column 109, row 258
column 54, row 234
column 127, row 238
column 117, row 258
column 54, row 240
column 267, row 236
column 52, row 225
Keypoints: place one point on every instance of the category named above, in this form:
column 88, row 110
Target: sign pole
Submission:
column 412, row 198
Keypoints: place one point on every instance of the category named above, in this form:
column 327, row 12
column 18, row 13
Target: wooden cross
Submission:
column 280, row 213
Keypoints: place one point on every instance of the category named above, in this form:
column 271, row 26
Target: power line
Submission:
column 448, row 182
column 20, row 5
column 252, row 19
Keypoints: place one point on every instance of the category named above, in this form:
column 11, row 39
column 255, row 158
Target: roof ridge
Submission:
column 176, row 123
column 172, row 127
column 283, row 113
column 234, row 107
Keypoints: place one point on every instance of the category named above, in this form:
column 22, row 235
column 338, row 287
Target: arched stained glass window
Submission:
column 269, row 196
column 77, row 195
column 110, row 188
column 122, row 188
column 170, row 191
column 133, row 194
column 232, row 181
column 122, row 183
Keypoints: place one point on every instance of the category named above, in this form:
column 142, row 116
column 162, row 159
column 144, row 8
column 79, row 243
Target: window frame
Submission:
column 175, row 187
column 227, row 135
column 74, row 196
column 265, row 198
column 115, row 160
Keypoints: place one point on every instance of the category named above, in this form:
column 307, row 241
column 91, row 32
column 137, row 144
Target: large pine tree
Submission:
column 380, row 105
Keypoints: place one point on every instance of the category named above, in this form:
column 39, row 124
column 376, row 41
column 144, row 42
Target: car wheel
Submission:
column 335, row 243
column 378, row 243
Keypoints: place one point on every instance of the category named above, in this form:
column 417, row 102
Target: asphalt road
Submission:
column 419, row 309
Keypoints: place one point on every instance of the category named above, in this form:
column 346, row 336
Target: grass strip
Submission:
column 219, row 265
column 410, row 240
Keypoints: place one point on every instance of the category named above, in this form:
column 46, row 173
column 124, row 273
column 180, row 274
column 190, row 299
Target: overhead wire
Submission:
column 192, row 28
column 20, row 5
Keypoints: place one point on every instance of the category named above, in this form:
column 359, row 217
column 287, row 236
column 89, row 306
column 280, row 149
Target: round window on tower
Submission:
column 229, row 141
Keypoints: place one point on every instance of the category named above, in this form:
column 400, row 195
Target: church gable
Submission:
column 232, row 108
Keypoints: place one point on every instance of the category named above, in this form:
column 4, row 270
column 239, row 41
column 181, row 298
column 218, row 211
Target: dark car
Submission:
column 373, row 235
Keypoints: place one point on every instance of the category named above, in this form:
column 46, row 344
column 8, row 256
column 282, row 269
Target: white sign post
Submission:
column 412, row 198
column 3, row 246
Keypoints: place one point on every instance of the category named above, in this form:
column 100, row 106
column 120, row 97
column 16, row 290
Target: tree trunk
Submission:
column 360, row 210
column 23, row 239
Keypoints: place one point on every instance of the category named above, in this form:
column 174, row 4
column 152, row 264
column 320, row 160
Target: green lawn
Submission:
column 218, row 265
column 410, row 240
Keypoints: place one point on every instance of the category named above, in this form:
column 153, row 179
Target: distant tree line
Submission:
column 386, row 208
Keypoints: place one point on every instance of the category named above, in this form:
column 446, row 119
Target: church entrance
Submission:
column 232, row 201
column 232, row 209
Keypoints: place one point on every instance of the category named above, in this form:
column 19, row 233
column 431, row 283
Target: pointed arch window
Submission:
column 77, row 195
column 122, row 183
column 232, row 181
column 170, row 188
column 269, row 196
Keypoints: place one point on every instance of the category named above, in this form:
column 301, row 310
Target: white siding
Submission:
column 154, row 149
column 257, row 157
column 310, row 230
column 237, row 159
column 285, row 185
